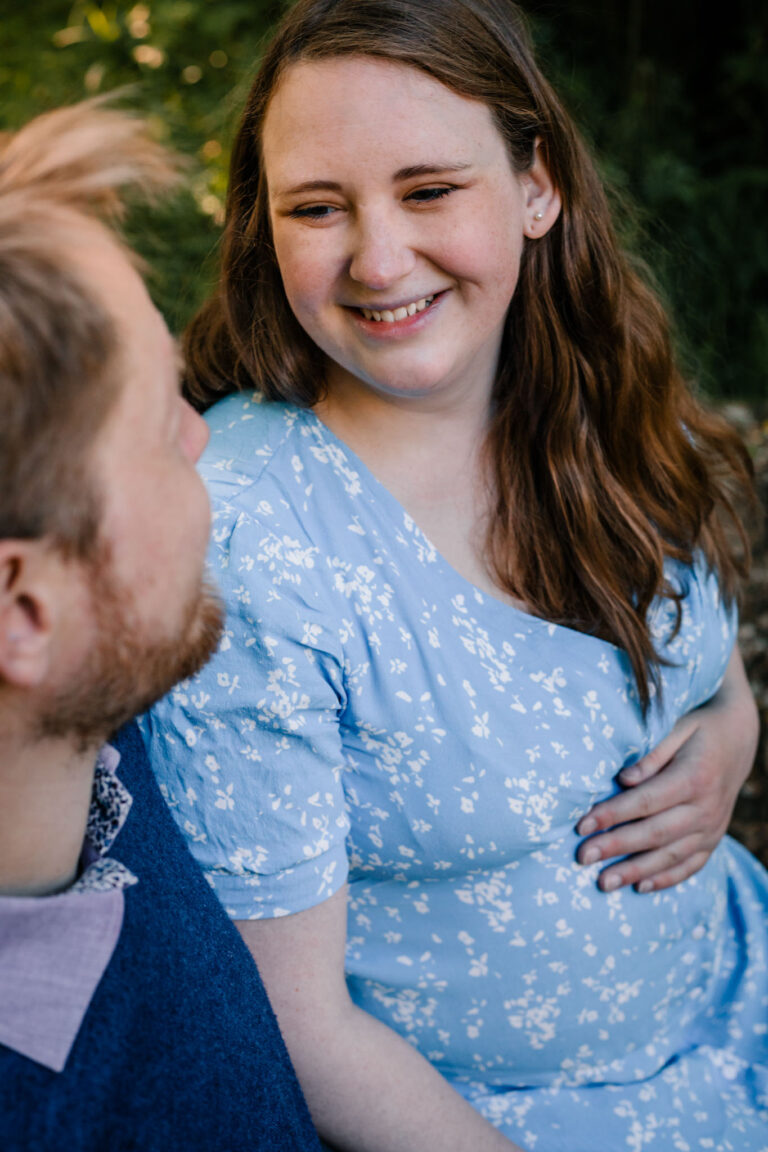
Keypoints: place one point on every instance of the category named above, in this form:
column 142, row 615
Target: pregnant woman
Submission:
column 468, row 522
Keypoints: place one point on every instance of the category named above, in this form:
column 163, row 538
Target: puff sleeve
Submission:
column 248, row 753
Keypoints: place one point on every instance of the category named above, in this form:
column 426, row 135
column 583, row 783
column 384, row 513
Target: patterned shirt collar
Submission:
column 110, row 804
column 54, row 950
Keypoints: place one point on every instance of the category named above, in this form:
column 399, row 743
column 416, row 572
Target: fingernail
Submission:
column 645, row 886
column 611, row 882
column 630, row 774
column 587, row 826
column 590, row 855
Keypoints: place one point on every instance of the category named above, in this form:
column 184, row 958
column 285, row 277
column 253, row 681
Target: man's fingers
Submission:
column 668, row 879
column 646, row 800
column 672, row 827
column 654, row 871
column 653, row 762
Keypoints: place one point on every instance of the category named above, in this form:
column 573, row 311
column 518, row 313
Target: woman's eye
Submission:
column 313, row 212
column 429, row 195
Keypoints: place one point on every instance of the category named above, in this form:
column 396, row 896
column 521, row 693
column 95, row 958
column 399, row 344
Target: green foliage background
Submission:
column 675, row 107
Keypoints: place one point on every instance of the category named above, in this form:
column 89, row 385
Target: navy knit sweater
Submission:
column 179, row 1049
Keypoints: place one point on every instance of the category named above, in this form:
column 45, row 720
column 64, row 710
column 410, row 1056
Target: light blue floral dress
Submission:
column 372, row 716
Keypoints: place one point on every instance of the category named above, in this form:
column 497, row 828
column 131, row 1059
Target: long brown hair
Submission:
column 603, row 463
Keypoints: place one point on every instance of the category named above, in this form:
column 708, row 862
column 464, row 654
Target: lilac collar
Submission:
column 55, row 949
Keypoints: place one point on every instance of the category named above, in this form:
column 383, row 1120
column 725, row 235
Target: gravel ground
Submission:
column 750, row 822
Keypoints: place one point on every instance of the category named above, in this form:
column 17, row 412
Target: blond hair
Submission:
column 62, row 181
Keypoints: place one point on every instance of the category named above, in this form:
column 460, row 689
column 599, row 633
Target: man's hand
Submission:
column 679, row 798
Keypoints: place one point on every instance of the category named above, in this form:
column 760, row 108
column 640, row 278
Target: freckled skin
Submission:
column 377, row 241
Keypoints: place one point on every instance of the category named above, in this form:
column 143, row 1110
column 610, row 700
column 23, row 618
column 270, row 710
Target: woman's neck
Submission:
column 423, row 448
column 429, row 454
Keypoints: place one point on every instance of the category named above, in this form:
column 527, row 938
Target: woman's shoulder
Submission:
column 254, row 456
column 696, row 634
column 279, row 461
column 248, row 435
column 265, row 524
column 698, row 585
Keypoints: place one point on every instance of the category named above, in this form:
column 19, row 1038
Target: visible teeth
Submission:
column 389, row 317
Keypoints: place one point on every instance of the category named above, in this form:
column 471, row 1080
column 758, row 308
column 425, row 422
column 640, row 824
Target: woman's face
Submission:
column 398, row 224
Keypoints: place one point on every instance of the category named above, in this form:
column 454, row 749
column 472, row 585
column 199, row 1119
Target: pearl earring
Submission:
column 538, row 215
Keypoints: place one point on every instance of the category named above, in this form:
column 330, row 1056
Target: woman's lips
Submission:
column 383, row 322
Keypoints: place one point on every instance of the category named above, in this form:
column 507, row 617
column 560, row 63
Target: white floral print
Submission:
column 371, row 716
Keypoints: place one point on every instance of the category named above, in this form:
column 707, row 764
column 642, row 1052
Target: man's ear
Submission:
column 27, row 611
column 542, row 199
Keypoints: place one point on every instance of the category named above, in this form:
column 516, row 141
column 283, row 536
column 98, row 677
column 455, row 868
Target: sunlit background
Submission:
column 676, row 108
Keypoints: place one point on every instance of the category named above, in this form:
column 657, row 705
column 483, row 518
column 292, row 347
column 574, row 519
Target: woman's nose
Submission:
column 382, row 254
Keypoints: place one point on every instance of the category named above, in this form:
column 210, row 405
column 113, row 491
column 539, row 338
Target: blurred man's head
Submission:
column 103, row 518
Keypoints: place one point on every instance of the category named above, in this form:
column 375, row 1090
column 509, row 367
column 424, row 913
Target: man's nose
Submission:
column 195, row 433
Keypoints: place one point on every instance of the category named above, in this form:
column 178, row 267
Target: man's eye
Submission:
column 313, row 212
column 429, row 195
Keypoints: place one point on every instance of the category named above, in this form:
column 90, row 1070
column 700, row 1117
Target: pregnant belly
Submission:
column 530, row 975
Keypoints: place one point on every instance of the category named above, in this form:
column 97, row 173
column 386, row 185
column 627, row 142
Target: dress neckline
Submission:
column 401, row 517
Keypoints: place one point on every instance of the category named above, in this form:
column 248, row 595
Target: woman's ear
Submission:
column 542, row 199
column 27, row 611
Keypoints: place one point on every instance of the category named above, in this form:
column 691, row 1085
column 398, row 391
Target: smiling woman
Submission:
column 469, row 524
column 400, row 269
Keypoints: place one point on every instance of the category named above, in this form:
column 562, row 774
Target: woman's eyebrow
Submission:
column 409, row 173
column 310, row 186
column 438, row 169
